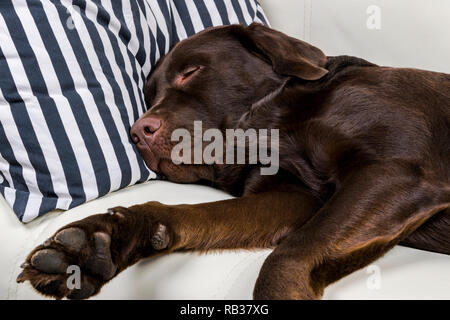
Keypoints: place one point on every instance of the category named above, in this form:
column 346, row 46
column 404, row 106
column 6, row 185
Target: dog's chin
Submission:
column 185, row 173
column 180, row 173
column 151, row 160
column 175, row 173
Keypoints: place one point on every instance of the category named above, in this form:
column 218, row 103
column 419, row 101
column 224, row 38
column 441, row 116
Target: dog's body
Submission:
column 364, row 165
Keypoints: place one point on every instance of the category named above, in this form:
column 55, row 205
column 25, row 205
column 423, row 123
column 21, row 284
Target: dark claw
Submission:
column 117, row 211
column 20, row 278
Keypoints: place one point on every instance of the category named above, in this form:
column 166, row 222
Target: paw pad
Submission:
column 71, row 238
column 49, row 261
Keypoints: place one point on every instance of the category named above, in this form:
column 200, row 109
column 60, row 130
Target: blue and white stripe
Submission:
column 72, row 74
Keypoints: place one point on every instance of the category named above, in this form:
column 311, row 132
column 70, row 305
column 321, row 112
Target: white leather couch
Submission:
column 412, row 33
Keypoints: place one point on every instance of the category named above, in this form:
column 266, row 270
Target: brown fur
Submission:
column 364, row 165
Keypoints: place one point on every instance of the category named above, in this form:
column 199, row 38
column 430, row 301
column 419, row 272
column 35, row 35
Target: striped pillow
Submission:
column 72, row 74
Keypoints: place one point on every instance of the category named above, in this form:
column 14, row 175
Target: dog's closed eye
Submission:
column 187, row 75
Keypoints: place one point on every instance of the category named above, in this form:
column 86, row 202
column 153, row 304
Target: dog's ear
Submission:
column 288, row 56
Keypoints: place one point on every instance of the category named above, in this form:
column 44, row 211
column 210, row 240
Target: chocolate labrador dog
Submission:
column 364, row 165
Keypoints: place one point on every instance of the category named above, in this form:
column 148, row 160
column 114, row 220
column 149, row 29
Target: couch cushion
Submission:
column 403, row 273
column 400, row 33
column 71, row 87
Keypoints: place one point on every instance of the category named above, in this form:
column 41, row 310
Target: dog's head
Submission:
column 215, row 76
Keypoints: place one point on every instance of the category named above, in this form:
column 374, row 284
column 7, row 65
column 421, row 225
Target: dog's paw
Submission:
column 81, row 257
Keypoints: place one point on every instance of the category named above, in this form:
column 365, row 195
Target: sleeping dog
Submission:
column 364, row 165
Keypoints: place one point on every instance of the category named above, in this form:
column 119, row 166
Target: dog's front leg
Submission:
column 105, row 244
column 374, row 209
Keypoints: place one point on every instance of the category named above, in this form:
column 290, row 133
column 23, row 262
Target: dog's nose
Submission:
column 145, row 128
